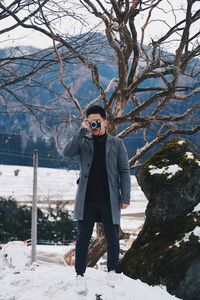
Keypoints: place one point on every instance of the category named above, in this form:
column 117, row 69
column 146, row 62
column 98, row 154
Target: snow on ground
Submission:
column 53, row 250
column 53, row 282
column 53, row 184
column 57, row 283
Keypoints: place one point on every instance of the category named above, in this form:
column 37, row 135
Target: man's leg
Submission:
column 85, row 229
column 112, row 237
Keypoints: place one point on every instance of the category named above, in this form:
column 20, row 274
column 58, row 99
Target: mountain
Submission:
column 37, row 112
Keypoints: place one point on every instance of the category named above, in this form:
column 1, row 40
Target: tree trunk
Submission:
column 99, row 246
column 96, row 250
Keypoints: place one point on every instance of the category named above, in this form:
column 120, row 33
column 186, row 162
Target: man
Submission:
column 103, row 189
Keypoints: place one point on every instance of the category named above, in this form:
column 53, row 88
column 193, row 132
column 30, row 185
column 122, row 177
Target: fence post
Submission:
column 34, row 208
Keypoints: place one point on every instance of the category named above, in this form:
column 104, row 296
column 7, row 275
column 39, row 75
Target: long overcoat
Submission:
column 117, row 166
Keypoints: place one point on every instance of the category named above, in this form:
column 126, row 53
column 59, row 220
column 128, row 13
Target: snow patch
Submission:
column 169, row 170
column 189, row 155
column 197, row 162
column 186, row 238
column 181, row 142
column 196, row 231
column 177, row 243
column 197, row 207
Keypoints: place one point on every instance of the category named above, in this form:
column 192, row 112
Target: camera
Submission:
column 95, row 124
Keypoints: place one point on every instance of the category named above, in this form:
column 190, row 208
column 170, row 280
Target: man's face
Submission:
column 97, row 117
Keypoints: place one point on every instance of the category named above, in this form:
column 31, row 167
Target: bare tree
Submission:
column 21, row 69
column 150, row 81
column 149, row 70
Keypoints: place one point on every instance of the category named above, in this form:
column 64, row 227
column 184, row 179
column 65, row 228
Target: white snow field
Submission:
column 53, row 184
column 21, row 281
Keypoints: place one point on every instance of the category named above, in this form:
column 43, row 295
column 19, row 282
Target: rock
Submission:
column 167, row 250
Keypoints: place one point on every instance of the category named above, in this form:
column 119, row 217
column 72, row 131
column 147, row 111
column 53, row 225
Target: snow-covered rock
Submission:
column 15, row 255
column 166, row 250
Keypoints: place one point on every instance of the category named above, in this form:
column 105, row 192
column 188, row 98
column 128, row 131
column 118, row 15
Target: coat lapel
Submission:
column 108, row 143
column 89, row 141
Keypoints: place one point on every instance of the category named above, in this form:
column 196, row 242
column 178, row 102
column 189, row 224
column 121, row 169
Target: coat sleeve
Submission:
column 72, row 147
column 124, row 173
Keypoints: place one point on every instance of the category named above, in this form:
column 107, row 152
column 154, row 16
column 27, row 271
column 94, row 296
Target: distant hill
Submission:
column 42, row 92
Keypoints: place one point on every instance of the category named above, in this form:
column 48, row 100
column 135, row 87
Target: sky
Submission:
column 30, row 37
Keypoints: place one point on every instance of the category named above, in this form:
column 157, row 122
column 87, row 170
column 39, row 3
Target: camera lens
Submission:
column 95, row 124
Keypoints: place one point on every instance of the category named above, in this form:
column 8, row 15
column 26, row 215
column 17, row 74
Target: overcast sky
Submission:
column 29, row 37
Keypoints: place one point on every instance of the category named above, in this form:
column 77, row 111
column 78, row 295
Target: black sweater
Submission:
column 97, row 187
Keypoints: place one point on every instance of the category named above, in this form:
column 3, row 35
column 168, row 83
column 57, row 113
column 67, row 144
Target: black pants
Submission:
column 96, row 212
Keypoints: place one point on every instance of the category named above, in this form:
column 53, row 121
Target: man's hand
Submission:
column 123, row 205
column 85, row 124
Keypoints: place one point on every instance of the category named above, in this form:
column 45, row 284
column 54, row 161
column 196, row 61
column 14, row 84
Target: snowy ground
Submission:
column 60, row 185
column 21, row 281
column 55, row 281
column 53, row 184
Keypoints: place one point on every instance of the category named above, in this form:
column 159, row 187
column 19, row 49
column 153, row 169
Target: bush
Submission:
column 15, row 223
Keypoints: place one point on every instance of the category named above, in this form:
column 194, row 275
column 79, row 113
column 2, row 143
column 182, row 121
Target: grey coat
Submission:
column 118, row 170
